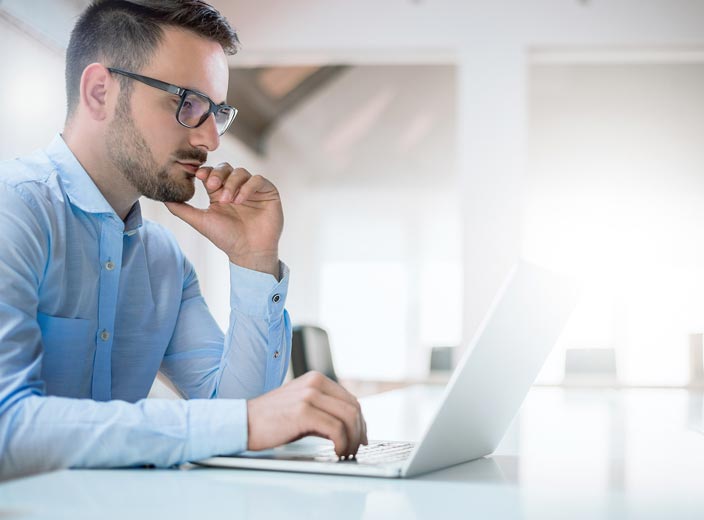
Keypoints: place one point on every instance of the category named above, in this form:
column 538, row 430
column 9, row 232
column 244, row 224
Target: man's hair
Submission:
column 125, row 34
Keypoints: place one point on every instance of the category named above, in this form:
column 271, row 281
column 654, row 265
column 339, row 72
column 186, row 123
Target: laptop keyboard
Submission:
column 383, row 452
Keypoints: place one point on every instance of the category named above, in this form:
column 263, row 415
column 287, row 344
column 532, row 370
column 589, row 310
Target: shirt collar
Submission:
column 81, row 189
column 133, row 221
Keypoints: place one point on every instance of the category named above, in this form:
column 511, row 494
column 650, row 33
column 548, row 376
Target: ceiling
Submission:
column 263, row 95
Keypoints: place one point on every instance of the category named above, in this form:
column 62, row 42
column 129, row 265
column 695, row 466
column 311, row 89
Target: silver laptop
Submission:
column 481, row 399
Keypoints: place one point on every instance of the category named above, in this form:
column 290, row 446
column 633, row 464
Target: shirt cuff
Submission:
column 258, row 294
column 216, row 427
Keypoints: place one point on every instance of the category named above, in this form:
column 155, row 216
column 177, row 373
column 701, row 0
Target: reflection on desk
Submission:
column 571, row 453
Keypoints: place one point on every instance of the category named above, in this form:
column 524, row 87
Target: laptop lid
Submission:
column 497, row 369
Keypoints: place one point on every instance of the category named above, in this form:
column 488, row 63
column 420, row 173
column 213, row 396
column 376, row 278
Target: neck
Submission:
column 89, row 148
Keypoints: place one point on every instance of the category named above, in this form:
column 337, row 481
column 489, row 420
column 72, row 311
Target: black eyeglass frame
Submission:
column 182, row 93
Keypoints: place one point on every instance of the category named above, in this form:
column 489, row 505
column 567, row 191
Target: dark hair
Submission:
column 125, row 34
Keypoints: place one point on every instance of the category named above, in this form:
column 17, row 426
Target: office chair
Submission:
column 310, row 350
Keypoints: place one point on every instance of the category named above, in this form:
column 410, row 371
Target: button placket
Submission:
column 111, row 245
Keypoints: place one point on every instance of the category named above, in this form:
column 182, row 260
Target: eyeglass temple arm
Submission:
column 171, row 89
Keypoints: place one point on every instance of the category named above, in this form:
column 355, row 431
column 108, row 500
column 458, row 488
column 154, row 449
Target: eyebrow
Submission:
column 223, row 102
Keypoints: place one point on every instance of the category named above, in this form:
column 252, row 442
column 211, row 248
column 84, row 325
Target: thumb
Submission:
column 187, row 213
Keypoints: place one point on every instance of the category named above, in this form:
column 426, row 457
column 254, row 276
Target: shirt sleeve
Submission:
column 40, row 432
column 252, row 358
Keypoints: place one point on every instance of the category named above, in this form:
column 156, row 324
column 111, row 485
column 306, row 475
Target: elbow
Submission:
column 20, row 453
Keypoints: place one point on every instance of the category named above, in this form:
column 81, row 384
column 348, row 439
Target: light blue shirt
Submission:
column 91, row 307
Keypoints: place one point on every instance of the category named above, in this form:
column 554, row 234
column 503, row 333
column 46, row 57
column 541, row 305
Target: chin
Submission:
column 183, row 196
column 175, row 192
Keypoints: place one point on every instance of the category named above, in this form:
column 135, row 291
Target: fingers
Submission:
column 345, row 412
column 187, row 213
column 256, row 184
column 322, row 424
column 222, row 177
column 328, row 386
column 234, row 184
column 306, row 406
column 335, row 400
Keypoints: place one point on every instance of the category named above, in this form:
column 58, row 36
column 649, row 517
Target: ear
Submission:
column 96, row 85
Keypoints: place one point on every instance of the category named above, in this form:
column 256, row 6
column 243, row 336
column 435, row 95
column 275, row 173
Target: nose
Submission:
column 206, row 136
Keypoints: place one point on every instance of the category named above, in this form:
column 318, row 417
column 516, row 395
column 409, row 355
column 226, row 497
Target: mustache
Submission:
column 194, row 154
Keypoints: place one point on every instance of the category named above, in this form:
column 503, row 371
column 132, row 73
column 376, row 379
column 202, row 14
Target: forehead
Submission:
column 188, row 60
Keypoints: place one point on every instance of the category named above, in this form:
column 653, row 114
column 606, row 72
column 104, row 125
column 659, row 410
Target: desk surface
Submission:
column 569, row 454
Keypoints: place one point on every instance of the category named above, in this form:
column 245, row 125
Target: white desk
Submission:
column 569, row 454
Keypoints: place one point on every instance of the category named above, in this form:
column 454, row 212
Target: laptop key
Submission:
column 383, row 452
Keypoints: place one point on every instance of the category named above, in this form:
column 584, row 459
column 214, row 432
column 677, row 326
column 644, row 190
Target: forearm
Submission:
column 257, row 356
column 247, row 361
column 258, row 342
column 45, row 433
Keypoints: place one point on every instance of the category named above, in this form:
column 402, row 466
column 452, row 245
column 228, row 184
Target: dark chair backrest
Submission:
column 310, row 350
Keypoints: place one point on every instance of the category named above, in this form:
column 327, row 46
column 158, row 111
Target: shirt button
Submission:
column 277, row 354
column 105, row 335
column 109, row 265
column 276, row 298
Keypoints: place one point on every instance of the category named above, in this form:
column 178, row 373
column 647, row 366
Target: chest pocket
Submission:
column 67, row 363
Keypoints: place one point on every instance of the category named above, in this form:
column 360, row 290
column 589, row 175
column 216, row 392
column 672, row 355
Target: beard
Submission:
column 130, row 154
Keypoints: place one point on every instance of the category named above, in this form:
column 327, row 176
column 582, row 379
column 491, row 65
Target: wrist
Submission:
column 262, row 262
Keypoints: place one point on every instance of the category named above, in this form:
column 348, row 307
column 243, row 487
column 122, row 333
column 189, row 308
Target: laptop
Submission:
column 480, row 400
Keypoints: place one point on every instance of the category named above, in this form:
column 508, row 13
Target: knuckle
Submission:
column 309, row 394
column 302, row 408
column 317, row 378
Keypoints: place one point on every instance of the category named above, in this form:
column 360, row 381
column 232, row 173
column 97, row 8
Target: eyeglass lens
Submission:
column 195, row 108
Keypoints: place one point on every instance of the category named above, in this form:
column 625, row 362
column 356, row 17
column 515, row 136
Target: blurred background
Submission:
column 422, row 146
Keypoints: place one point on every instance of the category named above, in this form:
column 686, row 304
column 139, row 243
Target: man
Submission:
column 95, row 301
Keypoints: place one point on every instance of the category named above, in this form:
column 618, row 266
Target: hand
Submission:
column 309, row 405
column 244, row 218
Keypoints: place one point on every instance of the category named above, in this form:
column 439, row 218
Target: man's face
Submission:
column 145, row 142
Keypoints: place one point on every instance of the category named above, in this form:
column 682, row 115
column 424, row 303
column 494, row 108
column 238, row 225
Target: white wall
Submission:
column 615, row 197
column 33, row 101
column 372, row 233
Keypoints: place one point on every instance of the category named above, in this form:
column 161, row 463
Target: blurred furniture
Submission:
column 590, row 367
column 441, row 359
column 310, row 350
column 696, row 360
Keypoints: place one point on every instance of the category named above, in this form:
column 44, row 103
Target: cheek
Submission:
column 161, row 132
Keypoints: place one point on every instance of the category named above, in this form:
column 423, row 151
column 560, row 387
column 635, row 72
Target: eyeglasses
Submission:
column 194, row 108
